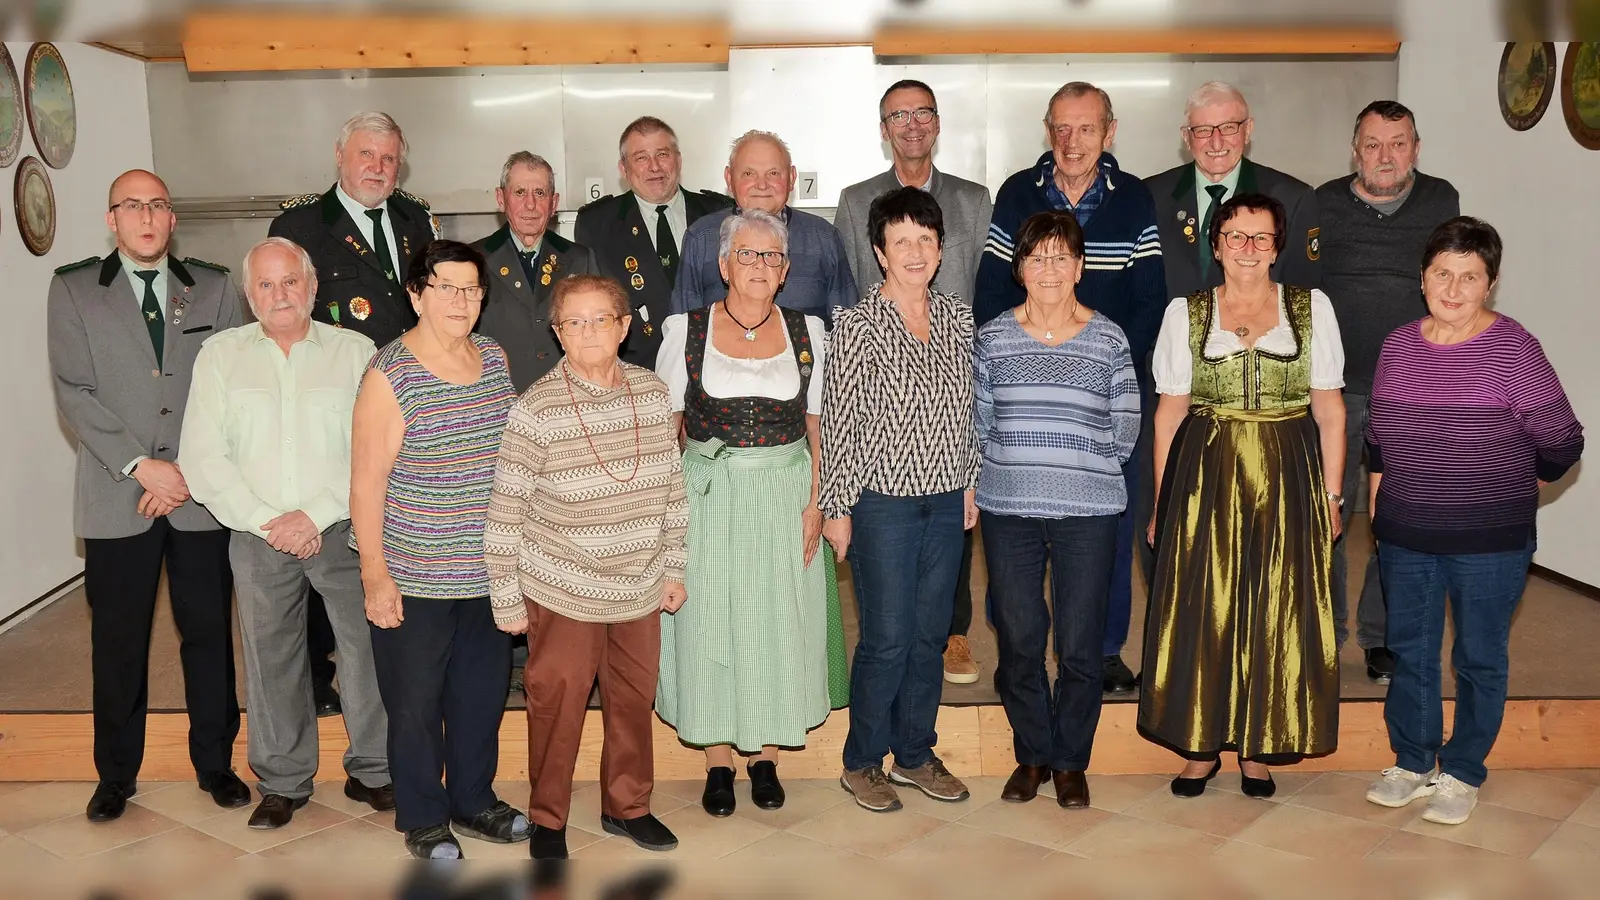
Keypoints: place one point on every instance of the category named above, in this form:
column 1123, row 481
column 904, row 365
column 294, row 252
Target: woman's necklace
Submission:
column 1240, row 330
column 749, row 333
column 638, row 445
column 1050, row 333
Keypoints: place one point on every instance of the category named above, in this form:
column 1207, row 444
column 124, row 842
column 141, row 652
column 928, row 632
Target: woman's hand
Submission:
column 1150, row 530
column 969, row 509
column 672, row 596
column 837, row 533
column 517, row 626
column 1336, row 513
column 383, row 601
column 811, row 531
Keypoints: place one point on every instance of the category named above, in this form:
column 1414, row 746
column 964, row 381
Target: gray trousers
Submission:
column 271, row 591
column 1371, row 611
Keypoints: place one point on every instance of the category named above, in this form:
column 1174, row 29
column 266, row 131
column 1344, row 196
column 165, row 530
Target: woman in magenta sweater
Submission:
column 1467, row 422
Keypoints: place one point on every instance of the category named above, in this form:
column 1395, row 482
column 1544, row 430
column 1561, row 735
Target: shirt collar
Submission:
column 787, row 212
column 516, row 242
column 354, row 207
column 129, row 266
column 925, row 186
column 312, row 334
column 1229, row 181
column 648, row 209
column 1047, row 180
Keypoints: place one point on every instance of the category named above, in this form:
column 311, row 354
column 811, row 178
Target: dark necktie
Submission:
column 151, row 307
column 527, row 258
column 666, row 246
column 1206, row 260
column 380, row 243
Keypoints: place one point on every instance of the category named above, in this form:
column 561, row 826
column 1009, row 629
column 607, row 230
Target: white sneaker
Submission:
column 1399, row 786
column 1452, row 801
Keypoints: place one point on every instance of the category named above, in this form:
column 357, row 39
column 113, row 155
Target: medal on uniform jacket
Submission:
column 637, row 281
column 405, row 244
column 333, row 313
column 631, row 264
column 1314, row 244
column 504, row 270
column 649, row 330
column 360, row 250
column 636, row 230
column 805, row 363
column 360, row 307
column 545, row 279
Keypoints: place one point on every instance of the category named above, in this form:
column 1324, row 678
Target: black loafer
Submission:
column 646, row 831
column 1118, row 679
column 110, row 800
column 326, row 700
column 718, row 798
column 548, row 843
column 499, row 824
column 379, row 798
column 226, row 790
column 1194, row 787
column 275, row 811
column 433, row 842
column 766, row 792
column 1380, row 665
column 1259, row 788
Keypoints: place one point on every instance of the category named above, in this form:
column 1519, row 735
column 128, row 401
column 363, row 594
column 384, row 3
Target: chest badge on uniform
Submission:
column 504, row 270
column 545, row 279
column 637, row 281
column 649, row 330
column 1183, row 214
column 631, row 264
column 635, row 230
column 805, row 357
column 360, row 307
column 333, row 313
column 1314, row 244
column 360, row 250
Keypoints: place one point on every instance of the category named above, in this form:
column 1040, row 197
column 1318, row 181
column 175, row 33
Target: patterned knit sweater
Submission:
column 564, row 532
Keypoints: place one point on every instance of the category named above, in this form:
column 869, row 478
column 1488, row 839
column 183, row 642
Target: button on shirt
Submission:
column 364, row 223
column 265, row 434
column 677, row 217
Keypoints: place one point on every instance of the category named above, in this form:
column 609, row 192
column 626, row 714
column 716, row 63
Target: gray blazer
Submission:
column 967, row 210
column 109, row 390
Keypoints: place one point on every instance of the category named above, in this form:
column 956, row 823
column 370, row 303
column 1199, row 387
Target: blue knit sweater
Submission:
column 1122, row 276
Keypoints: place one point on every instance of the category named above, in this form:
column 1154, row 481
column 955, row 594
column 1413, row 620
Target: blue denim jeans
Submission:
column 1484, row 590
column 1050, row 729
column 904, row 556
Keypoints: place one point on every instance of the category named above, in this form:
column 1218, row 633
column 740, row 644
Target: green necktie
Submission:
column 666, row 246
column 1206, row 259
column 380, row 243
column 151, row 307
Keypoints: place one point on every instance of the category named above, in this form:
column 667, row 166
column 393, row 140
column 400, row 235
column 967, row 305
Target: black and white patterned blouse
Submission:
column 897, row 413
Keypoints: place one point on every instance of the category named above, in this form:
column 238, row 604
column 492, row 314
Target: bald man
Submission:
column 123, row 334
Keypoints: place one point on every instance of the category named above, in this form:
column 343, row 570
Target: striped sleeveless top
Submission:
column 438, row 498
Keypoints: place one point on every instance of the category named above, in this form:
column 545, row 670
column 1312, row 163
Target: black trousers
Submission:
column 319, row 639
column 121, row 576
column 961, row 613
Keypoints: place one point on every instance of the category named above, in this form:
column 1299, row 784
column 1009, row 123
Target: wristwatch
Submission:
column 1336, row 498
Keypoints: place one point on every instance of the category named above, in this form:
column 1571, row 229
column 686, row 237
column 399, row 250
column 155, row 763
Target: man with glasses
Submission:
column 1122, row 278
column 908, row 119
column 123, row 336
column 638, row 235
column 526, row 258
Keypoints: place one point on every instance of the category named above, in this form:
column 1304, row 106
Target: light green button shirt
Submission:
column 1203, row 198
column 129, row 267
column 264, row 433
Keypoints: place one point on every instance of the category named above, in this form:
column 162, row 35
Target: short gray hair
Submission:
column 532, row 161
column 755, row 134
column 1075, row 89
column 306, row 266
column 1212, row 93
column 380, row 123
column 758, row 219
column 645, row 126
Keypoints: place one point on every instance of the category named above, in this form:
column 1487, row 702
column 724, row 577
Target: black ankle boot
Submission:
column 718, row 799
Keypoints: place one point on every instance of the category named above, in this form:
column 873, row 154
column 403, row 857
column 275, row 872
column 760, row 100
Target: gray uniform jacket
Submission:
column 116, row 400
column 967, row 210
column 516, row 311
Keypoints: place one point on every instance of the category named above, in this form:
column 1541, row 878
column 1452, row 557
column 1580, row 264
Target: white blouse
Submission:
column 1173, row 362
column 723, row 376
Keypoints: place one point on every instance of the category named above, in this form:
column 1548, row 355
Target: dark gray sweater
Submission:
column 1372, row 265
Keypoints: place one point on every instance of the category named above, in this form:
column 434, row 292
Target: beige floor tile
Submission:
column 701, row 836
column 1540, row 795
column 1571, row 841
column 868, row 833
column 1115, row 793
column 1346, row 795
column 1408, row 845
column 783, row 845
column 75, row 836
column 40, row 803
column 331, row 794
column 1290, row 781
column 802, row 800
column 1039, row 821
column 232, row 827
column 11, row 787
column 958, row 841
column 1588, row 812
column 1220, row 813
column 17, row 855
column 1582, row 776
column 613, row 849
column 1243, row 851
column 983, row 790
column 182, row 847
column 690, row 791
column 1493, row 828
column 1310, row 832
column 182, row 801
column 1124, row 836
column 352, row 840
column 585, row 810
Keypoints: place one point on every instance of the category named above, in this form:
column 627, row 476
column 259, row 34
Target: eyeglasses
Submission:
column 1236, row 240
column 574, row 325
column 773, row 258
column 448, row 292
column 923, row 115
column 1226, row 129
column 134, row 207
column 1036, row 263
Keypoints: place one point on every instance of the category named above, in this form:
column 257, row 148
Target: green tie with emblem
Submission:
column 1206, row 259
column 380, row 243
column 151, row 307
column 666, row 246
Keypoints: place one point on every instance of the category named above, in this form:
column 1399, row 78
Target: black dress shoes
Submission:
column 1119, row 679
column 1194, row 787
column 275, row 811
column 548, row 843
column 718, row 798
column 499, row 824
column 645, row 831
column 326, row 699
column 765, row 789
column 1072, row 789
column 433, row 842
column 226, row 790
column 110, row 800
column 1380, row 664
column 379, row 798
column 1023, row 785
column 1259, row 788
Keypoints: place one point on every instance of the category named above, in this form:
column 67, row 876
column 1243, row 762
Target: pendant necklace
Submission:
column 1240, row 331
column 1050, row 333
column 749, row 333
column 638, row 442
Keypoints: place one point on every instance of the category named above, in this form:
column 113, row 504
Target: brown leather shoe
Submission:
column 1072, row 789
column 1023, row 785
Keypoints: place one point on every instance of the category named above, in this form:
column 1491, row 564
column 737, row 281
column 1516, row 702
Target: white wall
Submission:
column 1538, row 188
column 37, row 549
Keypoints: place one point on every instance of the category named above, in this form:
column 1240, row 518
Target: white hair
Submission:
column 751, row 218
column 1213, row 93
column 380, row 123
column 306, row 266
column 758, row 135
column 532, row 161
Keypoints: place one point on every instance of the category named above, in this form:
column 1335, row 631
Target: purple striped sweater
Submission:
column 1462, row 435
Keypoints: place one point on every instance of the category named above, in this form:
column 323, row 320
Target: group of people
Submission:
column 645, row 452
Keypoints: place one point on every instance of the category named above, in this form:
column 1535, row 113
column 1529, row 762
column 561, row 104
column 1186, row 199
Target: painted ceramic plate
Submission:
column 11, row 114
column 1580, row 92
column 52, row 112
column 1527, row 82
column 36, row 206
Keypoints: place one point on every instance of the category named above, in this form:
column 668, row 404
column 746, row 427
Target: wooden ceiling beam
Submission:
column 909, row 40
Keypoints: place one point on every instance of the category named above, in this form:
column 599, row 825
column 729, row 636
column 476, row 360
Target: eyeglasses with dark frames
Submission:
column 1226, row 129
column 922, row 115
column 1236, row 240
column 448, row 292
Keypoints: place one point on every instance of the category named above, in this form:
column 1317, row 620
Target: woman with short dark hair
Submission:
column 1468, row 421
column 427, row 425
column 899, row 465
column 1057, row 416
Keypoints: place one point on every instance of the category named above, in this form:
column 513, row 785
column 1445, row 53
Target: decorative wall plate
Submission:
column 1580, row 92
column 12, row 124
column 36, row 206
column 52, row 111
column 1527, row 82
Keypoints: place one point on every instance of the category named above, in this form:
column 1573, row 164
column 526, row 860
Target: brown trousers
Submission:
column 564, row 656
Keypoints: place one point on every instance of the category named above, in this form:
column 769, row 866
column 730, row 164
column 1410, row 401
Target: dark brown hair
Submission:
column 1249, row 203
column 1465, row 234
column 1043, row 228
